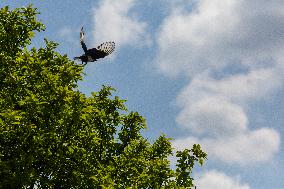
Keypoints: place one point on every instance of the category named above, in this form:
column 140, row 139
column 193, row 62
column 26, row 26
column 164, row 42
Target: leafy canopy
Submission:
column 54, row 136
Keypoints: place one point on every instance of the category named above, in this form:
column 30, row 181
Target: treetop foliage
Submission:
column 54, row 136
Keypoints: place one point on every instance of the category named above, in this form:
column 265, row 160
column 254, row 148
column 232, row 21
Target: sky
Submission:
column 200, row 71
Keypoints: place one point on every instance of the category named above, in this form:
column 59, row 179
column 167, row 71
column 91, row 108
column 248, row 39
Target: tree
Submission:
column 54, row 136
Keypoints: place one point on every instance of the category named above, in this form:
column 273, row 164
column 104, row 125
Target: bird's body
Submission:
column 93, row 54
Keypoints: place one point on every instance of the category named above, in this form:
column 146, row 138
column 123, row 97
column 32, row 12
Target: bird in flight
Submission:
column 93, row 54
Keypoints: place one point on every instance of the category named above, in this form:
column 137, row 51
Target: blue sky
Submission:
column 200, row 71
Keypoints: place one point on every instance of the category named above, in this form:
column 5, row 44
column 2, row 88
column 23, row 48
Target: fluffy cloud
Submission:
column 214, row 179
column 207, row 44
column 248, row 148
column 213, row 109
column 114, row 22
column 242, row 88
column 213, row 116
column 216, row 33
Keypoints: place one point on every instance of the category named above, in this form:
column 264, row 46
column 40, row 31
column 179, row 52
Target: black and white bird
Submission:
column 93, row 54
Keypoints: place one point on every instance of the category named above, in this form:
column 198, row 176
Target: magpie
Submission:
column 93, row 54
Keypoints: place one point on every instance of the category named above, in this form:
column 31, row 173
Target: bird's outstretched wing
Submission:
column 82, row 40
column 107, row 47
column 103, row 50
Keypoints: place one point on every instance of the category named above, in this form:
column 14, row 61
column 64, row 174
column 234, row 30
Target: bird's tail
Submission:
column 77, row 58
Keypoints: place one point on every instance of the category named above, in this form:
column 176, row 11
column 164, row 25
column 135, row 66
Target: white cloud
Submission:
column 213, row 116
column 114, row 22
column 239, row 88
column 212, row 38
column 248, row 148
column 213, row 110
column 217, row 32
column 213, row 179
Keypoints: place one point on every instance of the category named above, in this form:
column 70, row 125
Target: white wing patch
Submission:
column 107, row 47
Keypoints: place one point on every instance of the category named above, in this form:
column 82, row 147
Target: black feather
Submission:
column 93, row 54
